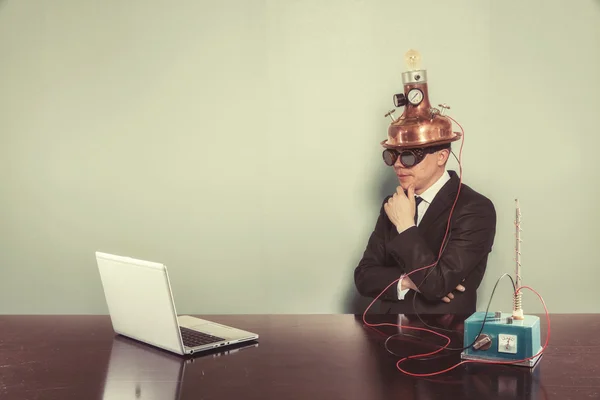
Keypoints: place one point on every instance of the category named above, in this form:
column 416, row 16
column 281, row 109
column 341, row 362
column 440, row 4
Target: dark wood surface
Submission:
column 297, row 357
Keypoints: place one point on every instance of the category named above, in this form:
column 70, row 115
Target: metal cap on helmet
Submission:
column 420, row 125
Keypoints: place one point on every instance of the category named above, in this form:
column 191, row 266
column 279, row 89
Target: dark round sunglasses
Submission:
column 409, row 157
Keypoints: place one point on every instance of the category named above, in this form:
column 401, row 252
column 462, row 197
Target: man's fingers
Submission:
column 445, row 299
column 460, row 288
column 411, row 193
column 386, row 208
column 450, row 295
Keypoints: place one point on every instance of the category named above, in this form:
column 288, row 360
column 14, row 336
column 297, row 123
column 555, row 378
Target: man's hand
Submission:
column 407, row 283
column 400, row 209
column 449, row 297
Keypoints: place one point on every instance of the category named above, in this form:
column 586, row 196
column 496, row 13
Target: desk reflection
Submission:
column 139, row 371
column 503, row 382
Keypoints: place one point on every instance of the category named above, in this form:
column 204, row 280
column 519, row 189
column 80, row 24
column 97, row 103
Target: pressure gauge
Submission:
column 415, row 96
column 507, row 343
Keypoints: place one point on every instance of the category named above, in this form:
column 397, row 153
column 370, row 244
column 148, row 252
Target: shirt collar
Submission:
column 429, row 194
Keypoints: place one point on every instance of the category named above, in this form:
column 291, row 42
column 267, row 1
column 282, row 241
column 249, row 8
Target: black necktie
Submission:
column 418, row 200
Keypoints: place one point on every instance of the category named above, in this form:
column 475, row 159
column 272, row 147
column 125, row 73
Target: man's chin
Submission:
column 404, row 182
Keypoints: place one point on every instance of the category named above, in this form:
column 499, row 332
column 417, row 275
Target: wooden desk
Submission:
column 297, row 357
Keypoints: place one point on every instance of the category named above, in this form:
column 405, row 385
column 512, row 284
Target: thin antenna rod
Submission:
column 517, row 309
column 518, row 243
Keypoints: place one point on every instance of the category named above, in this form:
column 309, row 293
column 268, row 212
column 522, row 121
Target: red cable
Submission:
column 431, row 265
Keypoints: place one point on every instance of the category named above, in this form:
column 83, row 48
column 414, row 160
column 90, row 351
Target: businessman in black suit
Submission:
column 409, row 232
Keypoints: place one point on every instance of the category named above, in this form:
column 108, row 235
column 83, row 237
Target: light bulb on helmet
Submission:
column 412, row 58
column 414, row 71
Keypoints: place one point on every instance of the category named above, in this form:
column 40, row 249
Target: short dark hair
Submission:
column 435, row 147
column 442, row 146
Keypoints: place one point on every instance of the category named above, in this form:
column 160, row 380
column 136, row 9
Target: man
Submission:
column 408, row 237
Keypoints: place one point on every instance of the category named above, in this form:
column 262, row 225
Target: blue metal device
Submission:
column 503, row 338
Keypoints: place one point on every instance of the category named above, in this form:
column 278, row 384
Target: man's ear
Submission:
column 443, row 156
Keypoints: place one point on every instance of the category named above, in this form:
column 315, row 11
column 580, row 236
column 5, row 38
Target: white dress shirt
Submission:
column 427, row 196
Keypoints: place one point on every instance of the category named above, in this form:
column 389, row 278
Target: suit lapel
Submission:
column 441, row 202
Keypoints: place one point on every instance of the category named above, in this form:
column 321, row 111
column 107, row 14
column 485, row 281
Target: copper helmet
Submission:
column 420, row 125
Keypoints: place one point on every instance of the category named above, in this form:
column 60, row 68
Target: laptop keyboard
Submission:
column 192, row 338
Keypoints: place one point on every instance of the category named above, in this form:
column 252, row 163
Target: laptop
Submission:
column 141, row 307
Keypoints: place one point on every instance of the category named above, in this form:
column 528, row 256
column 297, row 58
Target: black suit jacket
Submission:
column 468, row 244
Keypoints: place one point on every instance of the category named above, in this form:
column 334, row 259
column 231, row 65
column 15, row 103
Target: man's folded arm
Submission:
column 371, row 276
column 470, row 240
